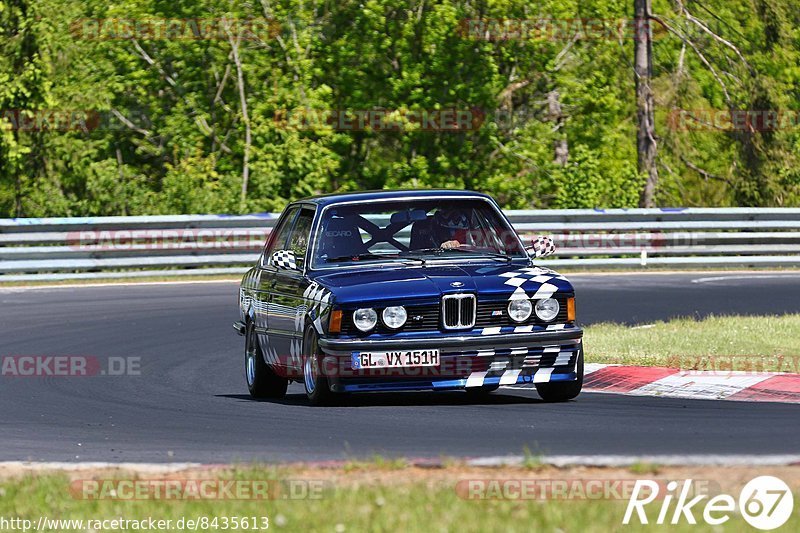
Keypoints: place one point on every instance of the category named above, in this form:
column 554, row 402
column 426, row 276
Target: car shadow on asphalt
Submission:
column 395, row 399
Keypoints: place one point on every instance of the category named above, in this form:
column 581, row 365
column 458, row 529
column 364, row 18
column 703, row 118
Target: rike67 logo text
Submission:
column 765, row 503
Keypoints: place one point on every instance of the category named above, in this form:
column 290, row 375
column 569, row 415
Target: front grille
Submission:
column 432, row 317
column 458, row 311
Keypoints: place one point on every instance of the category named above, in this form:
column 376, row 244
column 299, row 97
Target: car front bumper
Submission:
column 466, row 361
column 461, row 342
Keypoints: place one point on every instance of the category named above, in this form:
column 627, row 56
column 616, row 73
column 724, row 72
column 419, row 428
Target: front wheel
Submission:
column 262, row 381
column 561, row 392
column 316, row 384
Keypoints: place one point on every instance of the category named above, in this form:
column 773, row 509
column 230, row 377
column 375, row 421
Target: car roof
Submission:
column 330, row 199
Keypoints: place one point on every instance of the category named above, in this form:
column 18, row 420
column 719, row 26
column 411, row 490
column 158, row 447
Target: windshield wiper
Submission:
column 440, row 251
column 493, row 255
column 423, row 251
column 369, row 256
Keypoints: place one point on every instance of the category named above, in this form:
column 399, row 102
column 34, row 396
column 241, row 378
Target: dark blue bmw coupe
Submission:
column 406, row 290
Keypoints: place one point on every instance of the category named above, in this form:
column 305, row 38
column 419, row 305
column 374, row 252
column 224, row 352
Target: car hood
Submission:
column 403, row 283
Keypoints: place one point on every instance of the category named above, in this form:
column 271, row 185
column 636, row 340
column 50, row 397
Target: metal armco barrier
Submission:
column 105, row 247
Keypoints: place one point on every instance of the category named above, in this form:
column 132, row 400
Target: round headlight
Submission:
column 395, row 317
column 365, row 319
column 520, row 310
column 547, row 309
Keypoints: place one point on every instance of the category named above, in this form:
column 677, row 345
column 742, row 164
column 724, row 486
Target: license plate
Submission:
column 399, row 359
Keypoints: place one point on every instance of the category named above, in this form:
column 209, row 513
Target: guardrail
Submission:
column 104, row 247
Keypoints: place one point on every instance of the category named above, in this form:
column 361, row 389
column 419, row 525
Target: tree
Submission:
column 647, row 147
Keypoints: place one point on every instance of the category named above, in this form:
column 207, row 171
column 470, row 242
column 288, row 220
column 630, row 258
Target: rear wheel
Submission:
column 316, row 384
column 262, row 381
column 563, row 391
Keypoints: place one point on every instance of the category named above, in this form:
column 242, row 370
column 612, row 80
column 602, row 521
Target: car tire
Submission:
column 316, row 384
column 262, row 381
column 564, row 391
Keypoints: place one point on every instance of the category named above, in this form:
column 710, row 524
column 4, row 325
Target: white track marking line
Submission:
column 739, row 278
column 628, row 460
column 625, row 273
column 560, row 461
column 150, row 468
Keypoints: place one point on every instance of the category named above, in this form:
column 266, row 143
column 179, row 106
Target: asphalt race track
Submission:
column 190, row 402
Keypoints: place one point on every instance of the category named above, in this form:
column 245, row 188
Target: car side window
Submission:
column 281, row 232
column 301, row 235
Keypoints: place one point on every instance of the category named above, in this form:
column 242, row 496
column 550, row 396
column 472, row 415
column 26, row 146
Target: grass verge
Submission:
column 749, row 343
column 379, row 499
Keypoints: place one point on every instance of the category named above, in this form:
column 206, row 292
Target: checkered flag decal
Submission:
column 532, row 283
column 318, row 302
column 284, row 259
column 543, row 246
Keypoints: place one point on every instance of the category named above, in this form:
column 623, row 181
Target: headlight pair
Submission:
column 521, row 310
column 366, row 319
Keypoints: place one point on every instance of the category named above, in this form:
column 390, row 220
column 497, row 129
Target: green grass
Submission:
column 716, row 343
column 378, row 462
column 531, row 460
column 644, row 469
column 404, row 505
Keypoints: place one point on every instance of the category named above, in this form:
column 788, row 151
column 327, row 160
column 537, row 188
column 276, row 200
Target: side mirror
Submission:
column 284, row 259
column 542, row 246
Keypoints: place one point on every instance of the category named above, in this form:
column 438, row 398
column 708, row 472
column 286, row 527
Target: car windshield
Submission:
column 414, row 230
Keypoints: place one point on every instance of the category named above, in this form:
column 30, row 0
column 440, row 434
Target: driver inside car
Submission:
column 446, row 229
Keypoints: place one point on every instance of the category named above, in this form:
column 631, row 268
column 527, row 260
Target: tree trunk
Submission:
column 556, row 116
column 245, row 118
column 646, row 138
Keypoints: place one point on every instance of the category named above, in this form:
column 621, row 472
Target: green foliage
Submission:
column 172, row 130
column 586, row 182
